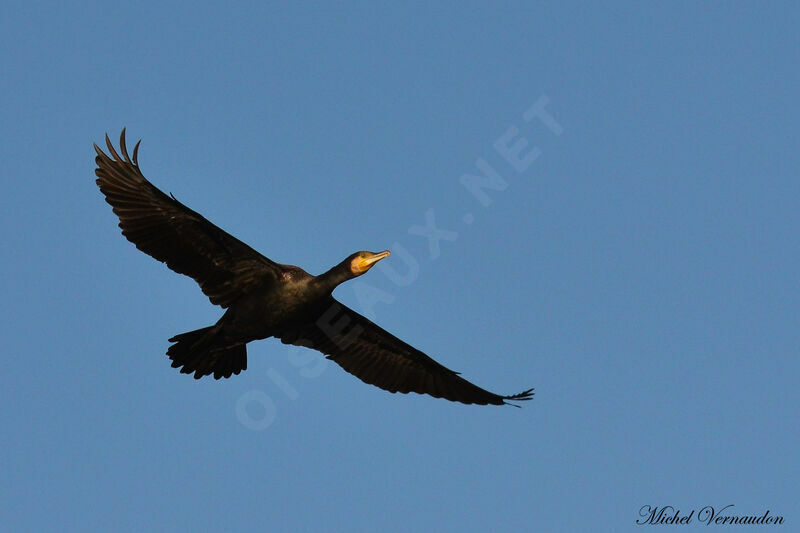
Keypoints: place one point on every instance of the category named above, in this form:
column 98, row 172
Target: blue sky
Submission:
column 641, row 271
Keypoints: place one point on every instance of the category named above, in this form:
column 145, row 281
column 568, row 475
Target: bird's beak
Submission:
column 374, row 258
column 368, row 262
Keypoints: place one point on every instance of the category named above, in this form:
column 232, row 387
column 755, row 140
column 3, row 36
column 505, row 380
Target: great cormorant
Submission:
column 266, row 299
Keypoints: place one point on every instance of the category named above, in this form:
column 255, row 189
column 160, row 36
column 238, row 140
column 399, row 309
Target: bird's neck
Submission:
column 333, row 278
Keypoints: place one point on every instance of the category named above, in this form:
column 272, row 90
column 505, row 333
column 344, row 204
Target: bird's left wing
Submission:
column 377, row 357
column 163, row 228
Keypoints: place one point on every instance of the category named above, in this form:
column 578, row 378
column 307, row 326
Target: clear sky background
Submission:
column 641, row 272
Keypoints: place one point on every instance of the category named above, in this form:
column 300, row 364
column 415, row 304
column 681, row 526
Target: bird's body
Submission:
column 266, row 299
column 277, row 305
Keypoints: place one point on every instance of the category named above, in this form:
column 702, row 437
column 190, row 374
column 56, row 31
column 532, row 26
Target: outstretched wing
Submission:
column 377, row 357
column 165, row 229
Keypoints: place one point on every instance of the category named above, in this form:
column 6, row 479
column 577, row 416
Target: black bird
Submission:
column 266, row 299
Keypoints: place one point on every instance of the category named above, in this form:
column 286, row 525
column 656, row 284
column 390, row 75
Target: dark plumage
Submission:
column 266, row 299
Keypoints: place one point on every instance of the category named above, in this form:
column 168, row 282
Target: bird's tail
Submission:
column 199, row 351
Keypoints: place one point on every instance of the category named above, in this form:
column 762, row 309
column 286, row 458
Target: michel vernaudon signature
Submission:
column 667, row 514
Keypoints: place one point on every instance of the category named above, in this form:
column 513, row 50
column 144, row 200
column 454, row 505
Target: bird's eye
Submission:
column 363, row 255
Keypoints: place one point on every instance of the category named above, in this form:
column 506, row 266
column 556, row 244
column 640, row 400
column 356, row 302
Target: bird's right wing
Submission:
column 165, row 229
column 377, row 357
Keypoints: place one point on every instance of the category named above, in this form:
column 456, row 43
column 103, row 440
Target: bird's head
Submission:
column 360, row 262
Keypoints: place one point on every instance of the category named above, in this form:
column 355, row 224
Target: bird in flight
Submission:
column 263, row 298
